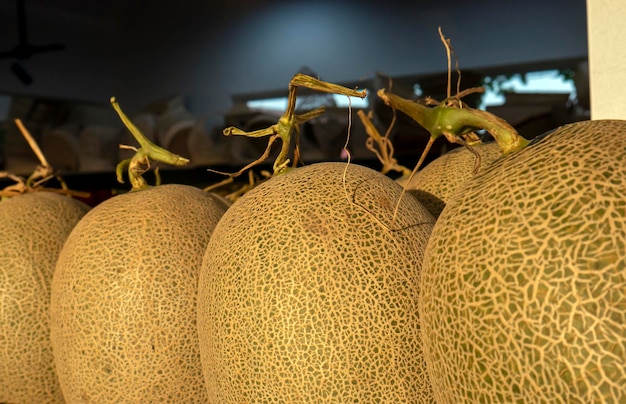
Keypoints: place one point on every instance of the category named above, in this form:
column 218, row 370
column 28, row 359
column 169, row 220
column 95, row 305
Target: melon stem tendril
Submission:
column 144, row 154
column 290, row 122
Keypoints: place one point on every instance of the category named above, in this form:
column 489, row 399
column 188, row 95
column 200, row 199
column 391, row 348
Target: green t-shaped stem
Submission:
column 147, row 152
column 290, row 121
column 456, row 122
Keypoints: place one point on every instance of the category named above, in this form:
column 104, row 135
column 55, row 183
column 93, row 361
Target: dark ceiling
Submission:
column 102, row 8
column 115, row 8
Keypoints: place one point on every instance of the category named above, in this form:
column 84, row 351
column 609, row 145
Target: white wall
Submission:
column 607, row 58
column 208, row 52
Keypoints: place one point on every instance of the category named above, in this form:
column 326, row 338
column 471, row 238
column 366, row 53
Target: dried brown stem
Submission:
column 42, row 173
column 258, row 161
column 385, row 150
column 450, row 52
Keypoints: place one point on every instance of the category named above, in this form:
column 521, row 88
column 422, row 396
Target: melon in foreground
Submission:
column 308, row 291
column 33, row 228
column 523, row 293
column 123, row 304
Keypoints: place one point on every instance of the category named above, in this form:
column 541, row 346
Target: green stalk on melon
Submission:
column 437, row 182
column 454, row 122
column 522, row 290
column 309, row 286
column 123, row 300
column 433, row 184
column 290, row 122
column 147, row 152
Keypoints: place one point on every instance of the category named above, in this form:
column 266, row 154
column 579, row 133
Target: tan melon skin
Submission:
column 33, row 228
column 436, row 182
column 305, row 297
column 123, row 305
column 524, row 283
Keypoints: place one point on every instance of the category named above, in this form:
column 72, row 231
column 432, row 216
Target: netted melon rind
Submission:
column 435, row 184
column 33, row 228
column 523, row 289
column 123, row 305
column 305, row 296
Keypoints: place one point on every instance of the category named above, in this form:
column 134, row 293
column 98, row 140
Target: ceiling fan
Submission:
column 24, row 49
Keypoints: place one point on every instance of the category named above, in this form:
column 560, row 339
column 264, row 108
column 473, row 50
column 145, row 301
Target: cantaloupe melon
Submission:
column 308, row 295
column 434, row 184
column 123, row 304
column 33, row 228
column 523, row 293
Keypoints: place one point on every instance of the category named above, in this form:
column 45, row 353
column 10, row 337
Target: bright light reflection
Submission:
column 548, row 81
column 280, row 103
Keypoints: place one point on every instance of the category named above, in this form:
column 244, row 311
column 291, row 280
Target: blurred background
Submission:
column 184, row 70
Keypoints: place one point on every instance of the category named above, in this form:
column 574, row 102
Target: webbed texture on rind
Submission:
column 524, row 282
column 435, row 184
column 33, row 228
column 305, row 295
column 123, row 307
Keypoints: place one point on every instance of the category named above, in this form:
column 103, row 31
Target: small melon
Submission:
column 436, row 182
column 308, row 291
column 33, row 228
column 524, row 280
column 123, row 304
